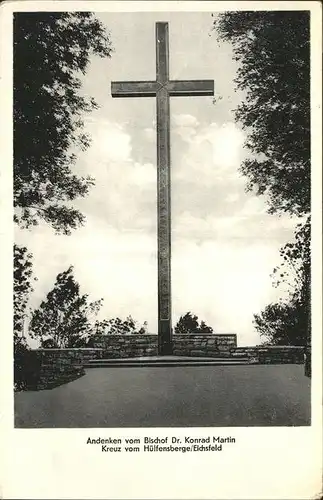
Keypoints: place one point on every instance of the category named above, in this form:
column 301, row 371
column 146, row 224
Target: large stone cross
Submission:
column 162, row 89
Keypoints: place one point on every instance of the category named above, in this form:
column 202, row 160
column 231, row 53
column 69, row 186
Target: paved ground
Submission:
column 172, row 397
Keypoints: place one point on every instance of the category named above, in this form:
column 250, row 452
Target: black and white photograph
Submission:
column 161, row 250
column 162, row 219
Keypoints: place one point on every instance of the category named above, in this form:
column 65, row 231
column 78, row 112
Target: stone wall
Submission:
column 54, row 367
column 50, row 368
column 226, row 346
column 126, row 346
column 270, row 354
column 204, row 345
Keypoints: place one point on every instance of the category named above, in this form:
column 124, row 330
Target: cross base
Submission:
column 165, row 344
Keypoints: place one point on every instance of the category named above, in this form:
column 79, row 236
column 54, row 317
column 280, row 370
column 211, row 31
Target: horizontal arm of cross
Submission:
column 134, row 89
column 190, row 87
column 174, row 87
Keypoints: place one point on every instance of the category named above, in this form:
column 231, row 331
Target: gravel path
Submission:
column 172, row 397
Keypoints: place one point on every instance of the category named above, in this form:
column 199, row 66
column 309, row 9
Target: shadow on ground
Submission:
column 215, row 396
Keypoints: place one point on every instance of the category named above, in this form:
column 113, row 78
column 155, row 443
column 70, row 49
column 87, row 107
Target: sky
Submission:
column 224, row 244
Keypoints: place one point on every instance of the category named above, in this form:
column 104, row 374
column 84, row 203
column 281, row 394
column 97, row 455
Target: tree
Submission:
column 22, row 287
column 288, row 321
column 273, row 52
column 64, row 319
column 188, row 323
column 117, row 326
column 282, row 323
column 296, row 263
column 51, row 51
column 204, row 328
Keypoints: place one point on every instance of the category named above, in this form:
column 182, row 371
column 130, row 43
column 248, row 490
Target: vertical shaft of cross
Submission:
column 164, row 192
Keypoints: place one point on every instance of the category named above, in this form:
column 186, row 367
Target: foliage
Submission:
column 282, row 324
column 64, row 319
column 20, row 354
column 24, row 371
column 26, row 366
column 51, row 51
column 296, row 263
column 117, row 326
column 273, row 54
column 288, row 322
column 189, row 323
column 272, row 49
column 22, row 287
